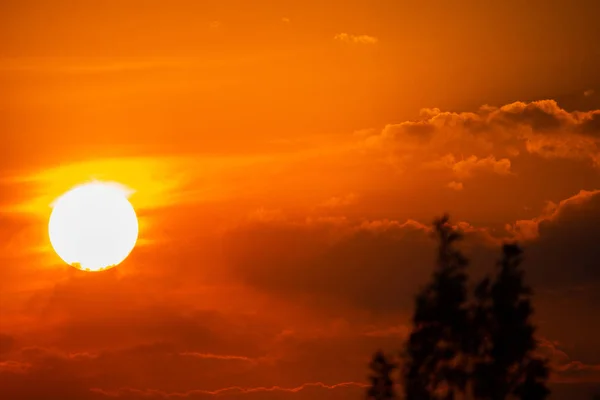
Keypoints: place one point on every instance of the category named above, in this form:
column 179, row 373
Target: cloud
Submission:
column 467, row 167
column 496, row 134
column 584, row 201
column 375, row 264
column 340, row 201
column 216, row 356
column 152, row 355
column 325, row 257
column 318, row 389
column 564, row 235
column 578, row 372
column 458, row 186
column 355, row 39
column 563, row 368
column 563, row 243
column 149, row 362
column 14, row 367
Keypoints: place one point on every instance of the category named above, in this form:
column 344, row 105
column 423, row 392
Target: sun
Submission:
column 93, row 226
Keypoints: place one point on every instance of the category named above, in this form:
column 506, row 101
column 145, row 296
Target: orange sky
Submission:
column 287, row 158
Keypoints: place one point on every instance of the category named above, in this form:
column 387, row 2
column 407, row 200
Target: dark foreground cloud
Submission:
column 562, row 245
column 367, row 264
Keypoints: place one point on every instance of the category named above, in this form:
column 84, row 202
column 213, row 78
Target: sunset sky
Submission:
column 287, row 159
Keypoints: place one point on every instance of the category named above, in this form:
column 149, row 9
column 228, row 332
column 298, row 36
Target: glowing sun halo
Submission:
column 93, row 226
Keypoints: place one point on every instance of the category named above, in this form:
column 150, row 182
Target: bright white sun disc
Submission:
column 93, row 226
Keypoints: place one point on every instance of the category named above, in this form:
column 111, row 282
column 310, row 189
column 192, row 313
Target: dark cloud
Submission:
column 541, row 116
column 368, row 265
column 562, row 246
column 375, row 264
column 380, row 264
column 563, row 368
column 591, row 125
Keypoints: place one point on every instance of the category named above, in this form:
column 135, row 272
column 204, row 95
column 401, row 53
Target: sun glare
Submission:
column 93, row 226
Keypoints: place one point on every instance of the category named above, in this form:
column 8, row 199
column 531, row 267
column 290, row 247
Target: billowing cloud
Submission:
column 467, row 167
column 562, row 243
column 542, row 128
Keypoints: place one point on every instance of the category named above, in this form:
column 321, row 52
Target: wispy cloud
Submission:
column 233, row 390
column 340, row 201
column 215, row 356
column 357, row 39
column 564, row 369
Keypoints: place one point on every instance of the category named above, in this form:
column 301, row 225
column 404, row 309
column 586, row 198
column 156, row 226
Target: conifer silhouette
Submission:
column 480, row 347
column 434, row 366
column 506, row 365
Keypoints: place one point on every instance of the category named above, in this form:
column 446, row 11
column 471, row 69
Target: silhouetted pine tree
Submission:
column 481, row 349
column 435, row 367
column 506, row 365
column 382, row 384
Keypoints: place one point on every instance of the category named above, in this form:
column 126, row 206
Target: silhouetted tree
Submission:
column 480, row 347
column 505, row 363
column 382, row 384
column 434, row 363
